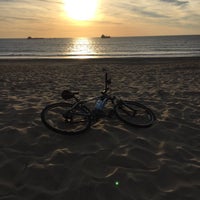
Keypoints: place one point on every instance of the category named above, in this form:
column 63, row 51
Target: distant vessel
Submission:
column 105, row 36
column 29, row 38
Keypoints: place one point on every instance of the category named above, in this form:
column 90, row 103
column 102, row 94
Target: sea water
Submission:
column 114, row 47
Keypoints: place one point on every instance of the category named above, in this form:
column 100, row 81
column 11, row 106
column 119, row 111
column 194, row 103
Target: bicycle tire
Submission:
column 56, row 118
column 134, row 113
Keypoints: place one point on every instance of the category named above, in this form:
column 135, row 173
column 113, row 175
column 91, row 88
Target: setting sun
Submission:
column 81, row 9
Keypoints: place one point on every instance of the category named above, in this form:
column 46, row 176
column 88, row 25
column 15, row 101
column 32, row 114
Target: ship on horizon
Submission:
column 105, row 36
column 30, row 38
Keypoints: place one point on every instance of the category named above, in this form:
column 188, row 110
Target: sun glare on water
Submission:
column 81, row 9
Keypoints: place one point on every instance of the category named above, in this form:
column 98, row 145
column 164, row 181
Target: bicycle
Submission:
column 74, row 118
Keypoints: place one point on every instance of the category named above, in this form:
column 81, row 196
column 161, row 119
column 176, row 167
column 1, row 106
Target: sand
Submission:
column 112, row 160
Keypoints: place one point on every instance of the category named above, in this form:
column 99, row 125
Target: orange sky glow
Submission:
column 91, row 18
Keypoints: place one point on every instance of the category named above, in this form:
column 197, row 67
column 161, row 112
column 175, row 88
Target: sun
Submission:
column 81, row 9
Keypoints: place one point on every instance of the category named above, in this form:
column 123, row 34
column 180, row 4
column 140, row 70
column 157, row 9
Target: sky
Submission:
column 52, row 18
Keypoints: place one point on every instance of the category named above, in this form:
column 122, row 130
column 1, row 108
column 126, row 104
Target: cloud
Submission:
column 147, row 13
column 131, row 10
column 176, row 2
column 28, row 10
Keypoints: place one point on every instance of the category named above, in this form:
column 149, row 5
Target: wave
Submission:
column 101, row 55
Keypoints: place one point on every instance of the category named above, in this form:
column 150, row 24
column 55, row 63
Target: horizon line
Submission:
column 99, row 36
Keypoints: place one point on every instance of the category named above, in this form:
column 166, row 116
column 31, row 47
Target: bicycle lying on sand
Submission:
column 76, row 117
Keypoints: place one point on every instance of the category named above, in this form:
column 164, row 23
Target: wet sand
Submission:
column 111, row 160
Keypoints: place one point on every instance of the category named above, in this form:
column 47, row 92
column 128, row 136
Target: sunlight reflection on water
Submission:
column 82, row 47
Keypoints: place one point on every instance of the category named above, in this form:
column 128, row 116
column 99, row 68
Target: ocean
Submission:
column 114, row 47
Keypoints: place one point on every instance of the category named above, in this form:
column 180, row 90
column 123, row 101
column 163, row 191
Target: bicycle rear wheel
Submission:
column 60, row 118
column 134, row 113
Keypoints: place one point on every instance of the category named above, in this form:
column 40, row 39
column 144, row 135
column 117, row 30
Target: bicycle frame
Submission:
column 104, row 96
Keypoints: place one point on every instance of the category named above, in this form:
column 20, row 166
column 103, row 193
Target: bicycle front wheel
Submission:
column 134, row 113
column 60, row 118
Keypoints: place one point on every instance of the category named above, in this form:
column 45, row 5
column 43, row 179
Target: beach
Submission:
column 111, row 160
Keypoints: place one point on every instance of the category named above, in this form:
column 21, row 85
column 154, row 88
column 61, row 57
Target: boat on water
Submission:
column 105, row 36
column 31, row 38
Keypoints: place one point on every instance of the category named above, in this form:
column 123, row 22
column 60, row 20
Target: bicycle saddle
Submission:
column 66, row 94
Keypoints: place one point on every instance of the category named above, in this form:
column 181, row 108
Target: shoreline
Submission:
column 117, row 59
